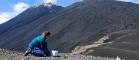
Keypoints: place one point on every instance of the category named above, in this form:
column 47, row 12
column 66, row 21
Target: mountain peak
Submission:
column 49, row 5
column 98, row 0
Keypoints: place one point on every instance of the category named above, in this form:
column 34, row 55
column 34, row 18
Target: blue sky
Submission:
column 11, row 8
column 7, row 4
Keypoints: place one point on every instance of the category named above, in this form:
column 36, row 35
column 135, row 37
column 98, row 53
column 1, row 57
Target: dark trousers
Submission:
column 40, row 53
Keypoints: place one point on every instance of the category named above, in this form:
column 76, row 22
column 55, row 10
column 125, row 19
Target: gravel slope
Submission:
column 11, row 55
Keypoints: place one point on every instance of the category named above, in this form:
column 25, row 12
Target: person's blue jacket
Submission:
column 40, row 43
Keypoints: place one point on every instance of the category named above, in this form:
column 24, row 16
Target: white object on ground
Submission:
column 118, row 58
column 54, row 53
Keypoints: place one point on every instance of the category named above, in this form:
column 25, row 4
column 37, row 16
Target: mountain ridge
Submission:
column 35, row 14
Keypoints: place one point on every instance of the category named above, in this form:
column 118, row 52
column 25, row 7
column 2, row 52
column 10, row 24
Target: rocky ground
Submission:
column 11, row 55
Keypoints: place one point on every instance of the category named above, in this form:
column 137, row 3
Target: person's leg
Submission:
column 38, row 52
column 28, row 51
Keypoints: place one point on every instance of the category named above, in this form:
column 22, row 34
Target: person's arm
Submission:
column 45, row 49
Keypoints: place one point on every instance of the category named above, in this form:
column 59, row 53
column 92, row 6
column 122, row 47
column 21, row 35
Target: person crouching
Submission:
column 38, row 46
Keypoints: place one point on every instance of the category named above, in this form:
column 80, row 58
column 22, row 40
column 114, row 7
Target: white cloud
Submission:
column 4, row 17
column 18, row 8
column 50, row 1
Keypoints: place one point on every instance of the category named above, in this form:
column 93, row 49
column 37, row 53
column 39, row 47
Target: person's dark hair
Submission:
column 47, row 33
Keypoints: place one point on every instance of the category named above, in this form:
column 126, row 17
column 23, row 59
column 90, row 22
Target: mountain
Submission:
column 106, row 28
column 31, row 14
